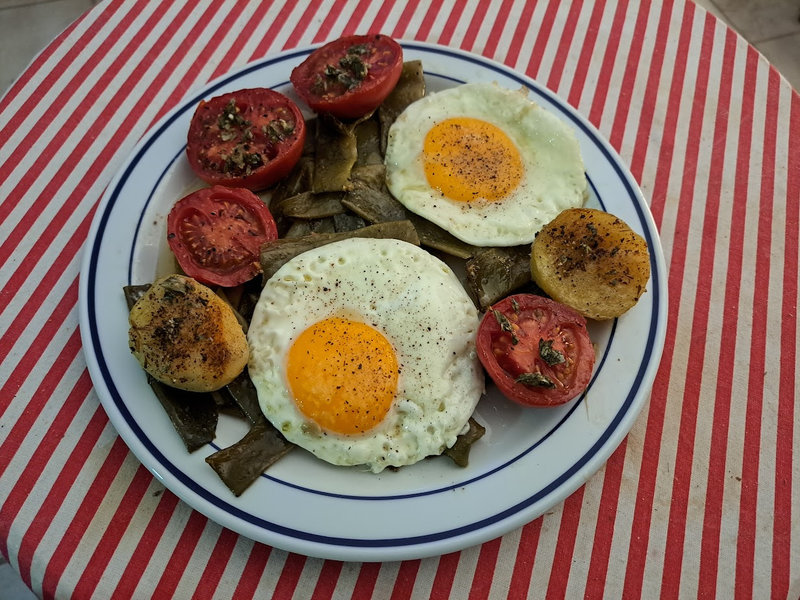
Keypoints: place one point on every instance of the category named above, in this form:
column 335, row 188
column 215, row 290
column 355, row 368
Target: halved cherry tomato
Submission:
column 216, row 234
column 250, row 138
column 537, row 351
column 350, row 76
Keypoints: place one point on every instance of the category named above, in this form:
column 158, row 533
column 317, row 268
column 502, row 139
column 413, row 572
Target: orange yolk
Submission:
column 342, row 375
column 468, row 159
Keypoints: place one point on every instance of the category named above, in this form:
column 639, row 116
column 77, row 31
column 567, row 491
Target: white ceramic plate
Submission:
column 528, row 461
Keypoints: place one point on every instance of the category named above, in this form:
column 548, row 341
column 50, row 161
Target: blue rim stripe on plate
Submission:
column 405, row 541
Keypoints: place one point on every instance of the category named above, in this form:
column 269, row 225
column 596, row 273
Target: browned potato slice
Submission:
column 592, row 261
column 187, row 337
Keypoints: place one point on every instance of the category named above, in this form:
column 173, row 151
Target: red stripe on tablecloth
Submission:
column 206, row 52
column 428, row 20
column 353, row 25
column 58, row 221
column 473, row 29
column 218, row 559
column 143, row 553
column 290, row 575
column 623, row 99
column 490, row 48
column 651, row 93
column 27, row 419
column 51, row 114
column 404, row 20
column 42, row 90
column 730, row 309
column 565, row 544
column 259, row 14
column 735, row 260
column 40, row 60
column 783, row 509
column 484, row 569
column 253, row 571
column 445, row 575
column 607, row 65
column 648, row 473
column 693, row 381
column 564, row 43
column 93, row 173
column 323, row 33
column 61, row 312
column 520, row 33
column 367, row 578
column 717, row 472
column 327, row 579
column 379, row 22
column 302, row 26
column 181, row 554
column 542, row 38
column 50, row 505
column 81, row 148
column 189, row 78
column 268, row 39
column 116, row 528
column 525, row 559
column 94, row 498
column 748, row 506
column 405, row 580
column 606, row 519
column 584, row 62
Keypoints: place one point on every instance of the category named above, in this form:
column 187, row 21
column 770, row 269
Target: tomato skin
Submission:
column 250, row 138
column 216, row 234
column 528, row 318
column 315, row 79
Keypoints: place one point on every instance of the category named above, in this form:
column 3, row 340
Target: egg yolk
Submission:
column 468, row 159
column 342, row 375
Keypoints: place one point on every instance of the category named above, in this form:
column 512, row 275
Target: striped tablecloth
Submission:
column 702, row 499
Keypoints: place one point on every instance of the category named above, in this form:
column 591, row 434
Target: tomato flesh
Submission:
column 250, row 138
column 349, row 77
column 537, row 351
column 216, row 234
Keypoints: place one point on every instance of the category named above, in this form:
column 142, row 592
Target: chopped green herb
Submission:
column 240, row 162
column 354, row 65
column 535, row 380
column 549, row 354
column 505, row 325
column 358, row 49
column 278, row 129
column 231, row 117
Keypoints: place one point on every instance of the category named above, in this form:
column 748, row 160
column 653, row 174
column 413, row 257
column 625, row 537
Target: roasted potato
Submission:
column 187, row 337
column 591, row 261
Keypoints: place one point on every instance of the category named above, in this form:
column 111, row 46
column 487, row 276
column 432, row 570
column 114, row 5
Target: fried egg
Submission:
column 363, row 352
column 485, row 163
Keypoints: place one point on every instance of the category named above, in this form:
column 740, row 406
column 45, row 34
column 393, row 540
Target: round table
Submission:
column 702, row 498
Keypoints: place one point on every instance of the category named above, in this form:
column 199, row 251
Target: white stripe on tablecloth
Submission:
column 68, row 186
column 785, row 225
column 653, row 164
column 53, row 64
column 63, row 119
column 41, row 423
column 726, row 217
column 702, row 443
column 102, row 519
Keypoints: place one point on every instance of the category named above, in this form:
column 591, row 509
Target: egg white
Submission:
column 553, row 178
column 418, row 304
